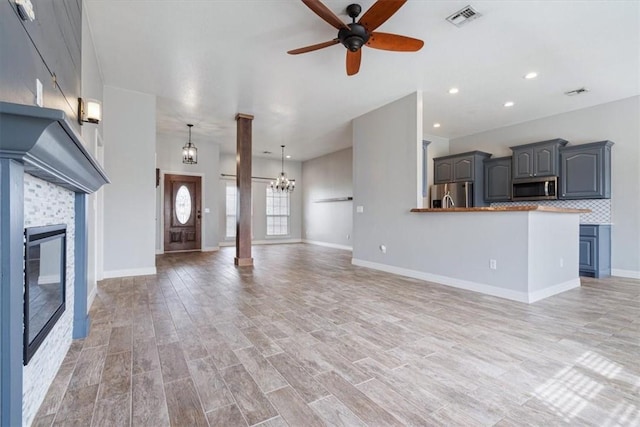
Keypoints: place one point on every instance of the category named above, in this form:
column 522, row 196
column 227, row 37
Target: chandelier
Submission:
column 283, row 184
column 189, row 151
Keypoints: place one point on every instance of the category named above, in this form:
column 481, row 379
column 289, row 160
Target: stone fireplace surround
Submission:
column 45, row 176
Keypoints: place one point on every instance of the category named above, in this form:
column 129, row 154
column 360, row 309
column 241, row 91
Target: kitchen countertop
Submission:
column 504, row 209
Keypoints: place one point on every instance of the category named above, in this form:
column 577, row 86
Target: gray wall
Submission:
column 129, row 201
column 169, row 160
column 330, row 176
column 269, row 168
column 616, row 121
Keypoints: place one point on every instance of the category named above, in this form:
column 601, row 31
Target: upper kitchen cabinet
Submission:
column 585, row 171
column 537, row 159
column 497, row 179
column 458, row 167
column 462, row 167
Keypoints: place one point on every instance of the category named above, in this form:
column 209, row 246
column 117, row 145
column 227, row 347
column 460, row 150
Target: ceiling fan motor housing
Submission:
column 353, row 38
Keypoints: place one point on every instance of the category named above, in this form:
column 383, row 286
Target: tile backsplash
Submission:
column 600, row 208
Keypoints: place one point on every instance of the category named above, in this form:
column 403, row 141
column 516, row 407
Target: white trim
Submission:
column 554, row 290
column 130, row 272
column 92, row 297
column 629, row 274
column 263, row 242
column 210, row 249
column 526, row 297
column 328, row 245
column 159, row 252
column 49, row 279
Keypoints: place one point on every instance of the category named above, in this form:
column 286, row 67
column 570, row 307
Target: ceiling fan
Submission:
column 357, row 34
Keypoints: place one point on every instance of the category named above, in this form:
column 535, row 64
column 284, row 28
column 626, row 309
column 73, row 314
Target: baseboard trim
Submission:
column 445, row 280
column 554, row 290
column 92, row 296
column 328, row 245
column 130, row 272
column 629, row 274
column 159, row 252
column 264, row 242
column 210, row 249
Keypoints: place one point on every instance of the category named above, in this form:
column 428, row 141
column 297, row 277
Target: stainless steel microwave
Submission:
column 542, row 188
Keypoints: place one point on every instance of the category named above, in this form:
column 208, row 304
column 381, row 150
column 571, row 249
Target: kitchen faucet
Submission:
column 447, row 201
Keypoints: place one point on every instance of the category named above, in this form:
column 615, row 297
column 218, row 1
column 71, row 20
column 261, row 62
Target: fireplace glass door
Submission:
column 44, row 294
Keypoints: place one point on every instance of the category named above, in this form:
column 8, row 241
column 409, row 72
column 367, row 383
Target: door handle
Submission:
column 546, row 188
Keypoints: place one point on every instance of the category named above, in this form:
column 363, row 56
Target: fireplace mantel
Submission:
column 49, row 148
column 37, row 142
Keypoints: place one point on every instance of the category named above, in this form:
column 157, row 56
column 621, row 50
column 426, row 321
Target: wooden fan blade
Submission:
column 379, row 13
column 325, row 13
column 353, row 62
column 386, row 41
column 313, row 47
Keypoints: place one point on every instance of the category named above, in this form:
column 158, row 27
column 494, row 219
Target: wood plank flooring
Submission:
column 305, row 338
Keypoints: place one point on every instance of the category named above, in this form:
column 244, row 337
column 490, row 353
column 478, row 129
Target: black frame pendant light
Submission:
column 283, row 184
column 189, row 151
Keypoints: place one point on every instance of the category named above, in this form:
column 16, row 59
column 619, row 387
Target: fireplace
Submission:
column 44, row 284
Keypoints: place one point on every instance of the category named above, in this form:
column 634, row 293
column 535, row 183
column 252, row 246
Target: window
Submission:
column 231, row 210
column 277, row 213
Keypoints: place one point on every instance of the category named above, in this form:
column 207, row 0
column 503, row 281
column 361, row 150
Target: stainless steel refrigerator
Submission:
column 451, row 195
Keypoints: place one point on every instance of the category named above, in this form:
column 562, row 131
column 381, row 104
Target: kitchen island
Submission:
column 523, row 253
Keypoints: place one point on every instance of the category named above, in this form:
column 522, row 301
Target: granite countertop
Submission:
column 505, row 209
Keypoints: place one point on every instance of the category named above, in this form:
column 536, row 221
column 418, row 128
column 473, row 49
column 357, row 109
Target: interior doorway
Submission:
column 182, row 212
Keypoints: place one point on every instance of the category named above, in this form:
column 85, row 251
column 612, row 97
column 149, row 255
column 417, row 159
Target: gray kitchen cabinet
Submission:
column 497, row 179
column 537, row 159
column 461, row 168
column 595, row 250
column 585, row 171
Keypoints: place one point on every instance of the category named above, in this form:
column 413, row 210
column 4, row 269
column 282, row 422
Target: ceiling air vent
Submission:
column 577, row 91
column 463, row 16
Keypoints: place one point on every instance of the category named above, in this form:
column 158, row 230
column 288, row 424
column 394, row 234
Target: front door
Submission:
column 181, row 212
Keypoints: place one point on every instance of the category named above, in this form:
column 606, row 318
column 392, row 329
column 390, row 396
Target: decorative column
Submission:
column 243, row 187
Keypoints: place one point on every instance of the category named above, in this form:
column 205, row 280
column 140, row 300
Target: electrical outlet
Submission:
column 348, row 236
column 383, row 249
column 561, row 262
column 493, row 264
column 359, row 209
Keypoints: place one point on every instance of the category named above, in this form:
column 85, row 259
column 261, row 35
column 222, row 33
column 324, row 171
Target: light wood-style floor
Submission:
column 305, row 338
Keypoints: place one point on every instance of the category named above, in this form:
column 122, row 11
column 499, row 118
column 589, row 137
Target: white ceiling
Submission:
column 208, row 60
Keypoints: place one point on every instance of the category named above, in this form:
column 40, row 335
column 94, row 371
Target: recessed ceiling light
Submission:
column 288, row 156
column 509, row 104
column 531, row 75
column 436, row 125
column 454, row 90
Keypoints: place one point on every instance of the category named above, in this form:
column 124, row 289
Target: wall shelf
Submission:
column 334, row 199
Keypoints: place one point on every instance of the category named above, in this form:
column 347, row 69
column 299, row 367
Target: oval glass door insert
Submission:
column 183, row 204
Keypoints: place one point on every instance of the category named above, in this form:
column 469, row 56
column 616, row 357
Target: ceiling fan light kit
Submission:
column 355, row 35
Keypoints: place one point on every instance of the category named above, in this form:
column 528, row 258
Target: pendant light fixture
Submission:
column 283, row 184
column 189, row 151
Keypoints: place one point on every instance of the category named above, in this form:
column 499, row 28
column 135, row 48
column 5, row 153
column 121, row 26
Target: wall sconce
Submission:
column 89, row 111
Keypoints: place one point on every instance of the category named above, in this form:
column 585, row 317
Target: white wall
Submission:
column 616, row 121
column 169, row 160
column 270, row 169
column 129, row 201
column 92, row 87
column 325, row 177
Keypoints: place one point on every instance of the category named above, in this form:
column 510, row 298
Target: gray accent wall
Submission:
column 616, row 121
column 328, row 177
column 129, row 201
column 169, row 160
